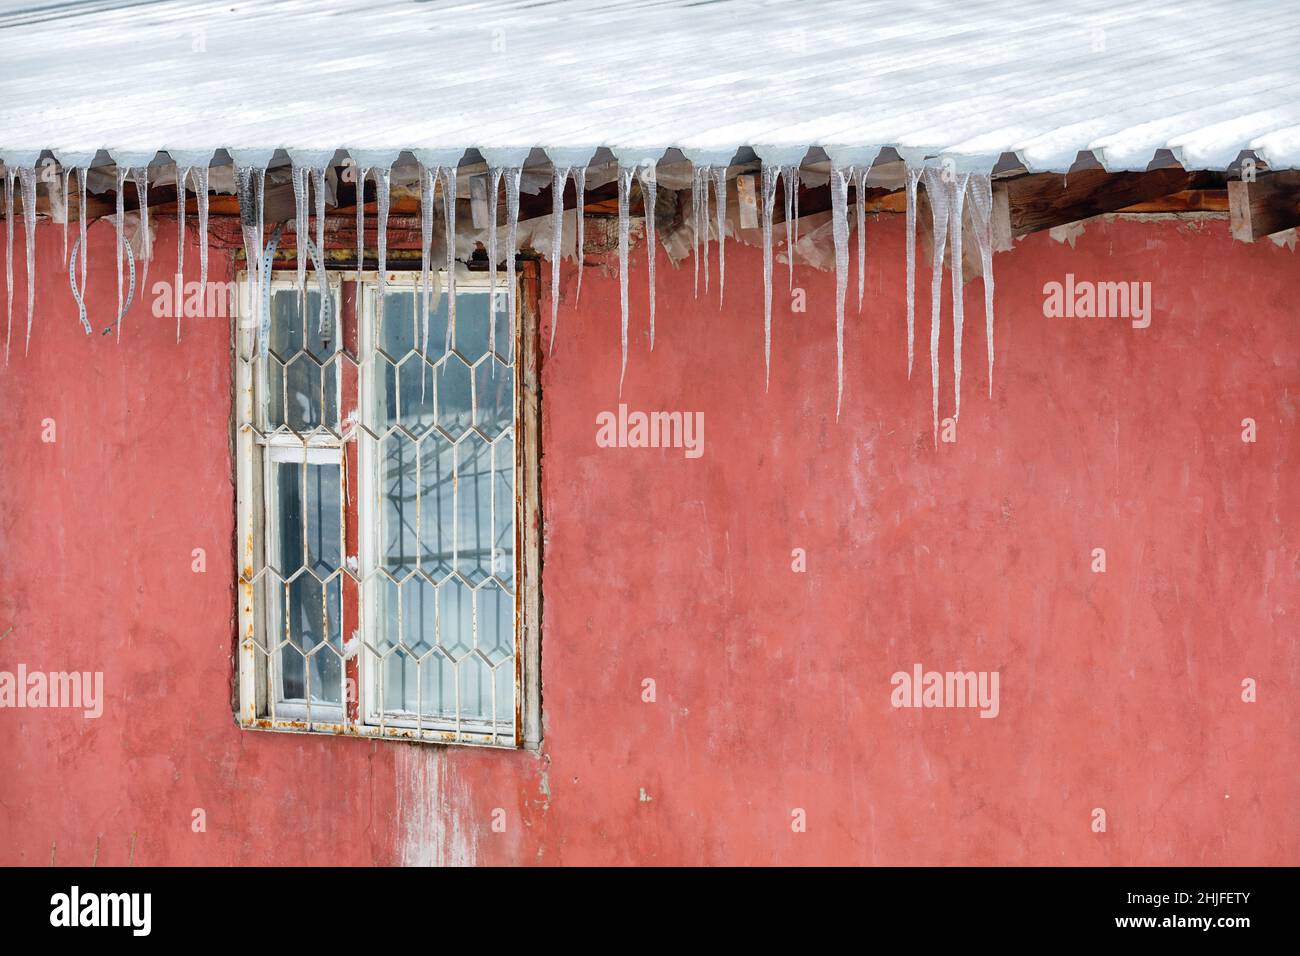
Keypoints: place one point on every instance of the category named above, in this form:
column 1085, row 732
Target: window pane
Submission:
column 404, row 380
column 446, row 512
column 301, row 375
column 307, row 608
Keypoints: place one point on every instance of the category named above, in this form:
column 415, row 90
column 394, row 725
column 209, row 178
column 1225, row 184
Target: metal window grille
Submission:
column 388, row 521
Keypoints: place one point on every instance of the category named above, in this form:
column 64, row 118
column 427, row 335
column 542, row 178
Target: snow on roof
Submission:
column 1205, row 79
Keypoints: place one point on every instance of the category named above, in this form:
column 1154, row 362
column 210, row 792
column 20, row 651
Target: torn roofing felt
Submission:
column 1044, row 80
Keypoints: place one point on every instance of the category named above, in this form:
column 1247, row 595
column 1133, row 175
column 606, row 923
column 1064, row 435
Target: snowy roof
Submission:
column 1044, row 80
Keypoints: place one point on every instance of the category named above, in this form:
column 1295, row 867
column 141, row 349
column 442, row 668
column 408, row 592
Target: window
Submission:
column 388, row 522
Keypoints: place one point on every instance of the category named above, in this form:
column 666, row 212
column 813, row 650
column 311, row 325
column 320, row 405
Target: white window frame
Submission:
column 254, row 451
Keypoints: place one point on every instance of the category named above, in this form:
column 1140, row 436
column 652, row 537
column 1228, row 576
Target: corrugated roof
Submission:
column 1205, row 79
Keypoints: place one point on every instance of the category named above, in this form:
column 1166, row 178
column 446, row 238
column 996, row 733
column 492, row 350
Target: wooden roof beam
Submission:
column 1269, row 204
column 1045, row 200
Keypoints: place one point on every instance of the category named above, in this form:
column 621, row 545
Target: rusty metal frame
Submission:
column 256, row 708
column 528, row 522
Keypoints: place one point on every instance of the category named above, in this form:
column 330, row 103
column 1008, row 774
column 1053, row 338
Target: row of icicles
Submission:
column 946, row 189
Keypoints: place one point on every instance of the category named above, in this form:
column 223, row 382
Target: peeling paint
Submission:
column 1286, row 237
column 431, row 811
column 544, row 781
column 1069, row 232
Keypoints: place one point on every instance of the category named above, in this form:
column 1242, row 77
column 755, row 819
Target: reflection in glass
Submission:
column 302, row 381
column 307, row 540
column 446, row 483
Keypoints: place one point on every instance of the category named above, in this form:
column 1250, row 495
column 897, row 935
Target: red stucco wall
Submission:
column 1119, row 690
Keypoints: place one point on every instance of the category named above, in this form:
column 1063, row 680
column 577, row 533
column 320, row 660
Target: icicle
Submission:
column 250, row 220
column 383, row 182
column 697, row 182
column 182, row 173
column 266, row 259
column 512, row 243
column 76, row 292
column 580, row 183
column 300, row 230
column 121, row 214
column 9, row 256
column 981, row 194
column 449, row 220
column 913, row 177
column 840, row 233
column 770, row 176
column 796, row 204
column 705, row 229
column 27, row 179
column 361, row 217
column 201, row 192
column 81, row 213
column 956, row 184
column 791, row 176
column 264, row 290
column 318, row 185
column 426, row 244
column 720, row 194
column 559, row 179
column 936, row 193
column 859, row 189
column 246, row 191
column 67, row 173
column 141, row 177
column 624, row 187
column 649, row 184
column 494, row 185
